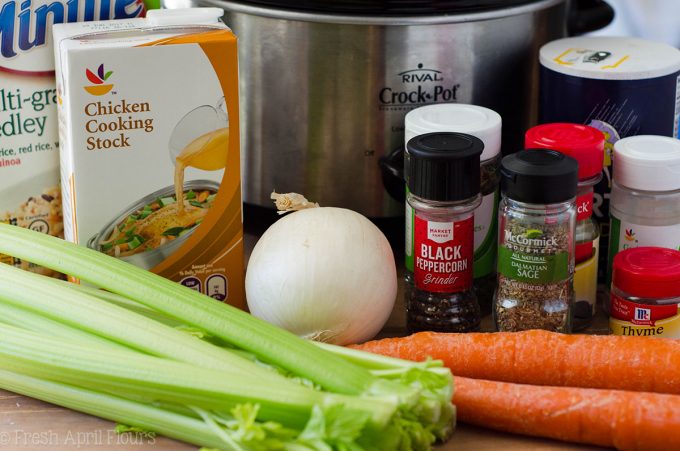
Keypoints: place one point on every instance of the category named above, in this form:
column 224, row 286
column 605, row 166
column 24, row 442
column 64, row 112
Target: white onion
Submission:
column 323, row 273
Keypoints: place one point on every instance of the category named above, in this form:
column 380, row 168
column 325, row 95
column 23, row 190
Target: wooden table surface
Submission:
column 29, row 424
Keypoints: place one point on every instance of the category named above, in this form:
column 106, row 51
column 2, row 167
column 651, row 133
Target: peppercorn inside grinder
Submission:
column 442, row 175
column 536, row 244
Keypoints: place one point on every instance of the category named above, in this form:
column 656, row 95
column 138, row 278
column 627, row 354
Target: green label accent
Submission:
column 533, row 268
column 485, row 254
column 410, row 235
column 614, row 234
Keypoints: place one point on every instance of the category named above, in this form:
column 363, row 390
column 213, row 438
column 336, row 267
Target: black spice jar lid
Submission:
column 443, row 166
column 539, row 176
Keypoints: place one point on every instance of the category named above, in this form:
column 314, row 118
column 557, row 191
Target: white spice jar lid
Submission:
column 647, row 163
column 474, row 120
column 610, row 58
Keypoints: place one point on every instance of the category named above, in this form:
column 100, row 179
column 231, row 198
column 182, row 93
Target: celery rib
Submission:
column 113, row 408
column 127, row 304
column 329, row 395
column 237, row 327
column 157, row 379
column 29, row 320
column 82, row 311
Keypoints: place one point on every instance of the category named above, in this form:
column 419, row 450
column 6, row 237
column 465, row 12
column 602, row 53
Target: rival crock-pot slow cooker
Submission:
column 325, row 85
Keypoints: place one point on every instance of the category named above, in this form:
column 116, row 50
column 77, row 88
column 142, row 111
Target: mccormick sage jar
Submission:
column 645, row 295
column 484, row 124
column 586, row 145
column 537, row 219
column 442, row 176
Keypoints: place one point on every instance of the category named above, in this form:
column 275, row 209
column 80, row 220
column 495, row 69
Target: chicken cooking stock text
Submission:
column 118, row 119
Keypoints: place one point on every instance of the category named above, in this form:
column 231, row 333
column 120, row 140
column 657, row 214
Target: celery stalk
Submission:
column 408, row 404
column 234, row 431
column 124, row 302
column 237, row 327
column 373, row 361
column 113, row 408
column 80, row 310
column 156, row 379
column 431, row 377
column 26, row 319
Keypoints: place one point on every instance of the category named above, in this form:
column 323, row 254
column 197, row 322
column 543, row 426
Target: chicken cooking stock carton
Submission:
column 149, row 130
column 29, row 147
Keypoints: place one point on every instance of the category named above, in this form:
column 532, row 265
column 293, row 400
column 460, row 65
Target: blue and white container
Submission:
column 621, row 86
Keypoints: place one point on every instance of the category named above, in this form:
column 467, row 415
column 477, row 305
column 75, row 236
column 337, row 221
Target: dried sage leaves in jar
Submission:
column 536, row 242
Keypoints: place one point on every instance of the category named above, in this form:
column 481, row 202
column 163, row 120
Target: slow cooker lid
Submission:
column 389, row 7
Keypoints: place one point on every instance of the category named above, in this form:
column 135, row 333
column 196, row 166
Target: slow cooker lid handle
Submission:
column 588, row 15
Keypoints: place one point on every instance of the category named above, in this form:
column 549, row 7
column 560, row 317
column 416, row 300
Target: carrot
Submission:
column 622, row 419
column 547, row 358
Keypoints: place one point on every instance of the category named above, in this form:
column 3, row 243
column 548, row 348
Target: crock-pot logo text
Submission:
column 109, row 125
column 418, row 86
column 23, row 28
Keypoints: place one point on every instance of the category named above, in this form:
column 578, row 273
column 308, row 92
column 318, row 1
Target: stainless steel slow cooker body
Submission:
column 324, row 96
column 151, row 258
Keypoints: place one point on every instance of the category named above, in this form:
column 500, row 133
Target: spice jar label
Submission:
column 584, row 206
column 485, row 235
column 626, row 235
column 443, row 255
column 530, row 257
column 585, row 281
column 631, row 318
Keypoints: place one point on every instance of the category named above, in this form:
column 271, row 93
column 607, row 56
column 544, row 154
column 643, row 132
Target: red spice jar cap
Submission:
column 647, row 272
column 584, row 144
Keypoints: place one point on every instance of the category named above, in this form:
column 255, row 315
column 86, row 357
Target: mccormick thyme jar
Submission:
column 484, row 124
column 645, row 293
column 443, row 180
column 537, row 215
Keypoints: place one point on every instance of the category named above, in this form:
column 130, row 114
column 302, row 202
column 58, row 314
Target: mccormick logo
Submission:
column 532, row 237
column 643, row 314
column 99, row 88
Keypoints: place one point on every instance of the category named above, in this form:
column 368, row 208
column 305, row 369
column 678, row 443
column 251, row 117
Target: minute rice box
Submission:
column 29, row 149
column 149, row 131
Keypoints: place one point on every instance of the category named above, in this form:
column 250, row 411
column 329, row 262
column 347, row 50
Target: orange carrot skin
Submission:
column 547, row 358
column 614, row 418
